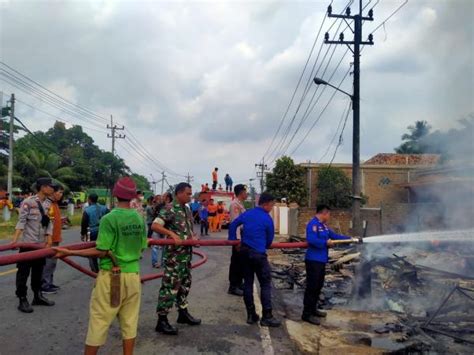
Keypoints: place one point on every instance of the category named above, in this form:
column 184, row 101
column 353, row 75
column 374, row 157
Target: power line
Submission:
column 56, row 95
column 25, row 87
column 297, row 86
column 321, row 113
column 279, row 150
column 339, row 143
column 345, row 113
column 58, row 118
column 389, row 17
column 63, row 104
column 37, row 139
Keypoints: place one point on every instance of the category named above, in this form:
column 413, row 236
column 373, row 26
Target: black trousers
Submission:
column 214, row 185
column 315, row 273
column 24, row 268
column 94, row 262
column 255, row 263
column 236, row 272
column 204, row 226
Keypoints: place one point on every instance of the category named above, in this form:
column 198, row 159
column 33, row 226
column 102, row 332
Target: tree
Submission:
column 287, row 180
column 413, row 141
column 334, row 188
column 142, row 182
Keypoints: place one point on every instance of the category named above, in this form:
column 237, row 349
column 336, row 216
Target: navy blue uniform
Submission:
column 257, row 235
column 317, row 236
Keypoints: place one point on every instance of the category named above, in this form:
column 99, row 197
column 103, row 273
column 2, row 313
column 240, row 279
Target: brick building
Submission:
column 383, row 177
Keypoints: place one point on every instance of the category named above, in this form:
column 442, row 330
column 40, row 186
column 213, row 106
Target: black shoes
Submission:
column 186, row 318
column 24, row 305
column 268, row 320
column 236, row 291
column 319, row 313
column 252, row 316
column 163, row 326
column 310, row 319
column 40, row 300
column 49, row 290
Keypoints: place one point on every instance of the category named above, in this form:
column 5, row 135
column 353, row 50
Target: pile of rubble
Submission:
column 431, row 308
column 288, row 272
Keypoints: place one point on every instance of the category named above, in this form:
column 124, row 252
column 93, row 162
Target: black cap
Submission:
column 44, row 181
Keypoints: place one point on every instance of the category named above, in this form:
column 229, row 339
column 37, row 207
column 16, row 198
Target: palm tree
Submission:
column 33, row 164
column 413, row 144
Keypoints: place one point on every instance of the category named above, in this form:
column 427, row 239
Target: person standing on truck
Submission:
column 228, row 183
column 90, row 225
column 34, row 226
column 48, row 286
column 215, row 179
column 319, row 238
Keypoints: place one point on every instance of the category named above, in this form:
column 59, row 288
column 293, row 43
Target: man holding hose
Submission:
column 319, row 238
column 117, row 291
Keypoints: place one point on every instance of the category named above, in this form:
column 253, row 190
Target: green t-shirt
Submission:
column 123, row 232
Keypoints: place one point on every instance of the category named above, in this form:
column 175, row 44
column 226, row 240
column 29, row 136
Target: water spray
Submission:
column 466, row 235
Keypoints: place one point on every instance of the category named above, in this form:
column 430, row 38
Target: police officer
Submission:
column 34, row 226
column 175, row 221
column 319, row 238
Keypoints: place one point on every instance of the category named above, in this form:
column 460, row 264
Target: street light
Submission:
column 319, row 81
column 356, row 176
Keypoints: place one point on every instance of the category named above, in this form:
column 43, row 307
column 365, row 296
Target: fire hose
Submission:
column 38, row 251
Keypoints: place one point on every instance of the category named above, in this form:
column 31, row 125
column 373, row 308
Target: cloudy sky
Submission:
column 204, row 84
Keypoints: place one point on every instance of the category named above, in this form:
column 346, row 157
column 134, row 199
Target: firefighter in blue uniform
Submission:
column 319, row 238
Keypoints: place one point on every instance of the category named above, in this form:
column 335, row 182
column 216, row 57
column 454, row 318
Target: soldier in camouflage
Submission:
column 176, row 222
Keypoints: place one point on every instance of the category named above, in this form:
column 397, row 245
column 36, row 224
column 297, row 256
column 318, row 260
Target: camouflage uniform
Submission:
column 177, row 259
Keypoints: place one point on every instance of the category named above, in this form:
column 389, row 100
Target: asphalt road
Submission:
column 62, row 329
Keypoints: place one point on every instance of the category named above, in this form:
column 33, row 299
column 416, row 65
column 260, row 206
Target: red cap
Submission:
column 125, row 188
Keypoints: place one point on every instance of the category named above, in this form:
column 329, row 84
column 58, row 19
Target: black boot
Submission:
column 268, row 320
column 163, row 326
column 24, row 305
column 40, row 300
column 319, row 313
column 236, row 291
column 312, row 319
column 252, row 316
column 185, row 318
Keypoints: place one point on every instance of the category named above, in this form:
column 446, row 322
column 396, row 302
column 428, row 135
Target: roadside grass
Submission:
column 8, row 228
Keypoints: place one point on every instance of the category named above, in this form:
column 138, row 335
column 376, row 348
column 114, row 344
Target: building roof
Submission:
column 403, row 159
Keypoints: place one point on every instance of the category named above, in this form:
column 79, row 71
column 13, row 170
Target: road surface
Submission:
column 62, row 329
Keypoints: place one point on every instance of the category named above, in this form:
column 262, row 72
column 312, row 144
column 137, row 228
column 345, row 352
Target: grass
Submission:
column 8, row 228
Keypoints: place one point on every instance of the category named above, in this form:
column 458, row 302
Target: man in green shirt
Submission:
column 176, row 222
column 117, row 292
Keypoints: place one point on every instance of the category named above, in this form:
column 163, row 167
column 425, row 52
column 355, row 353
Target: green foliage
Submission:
column 287, row 180
column 142, row 183
column 68, row 155
column 334, row 188
column 413, row 143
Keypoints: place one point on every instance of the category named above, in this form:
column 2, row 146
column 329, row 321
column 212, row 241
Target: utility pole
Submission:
column 189, row 178
column 163, row 179
column 153, row 182
column 354, row 46
column 261, row 174
column 113, row 127
column 10, row 147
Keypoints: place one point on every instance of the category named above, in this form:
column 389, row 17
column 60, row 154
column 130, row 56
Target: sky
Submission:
column 205, row 84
